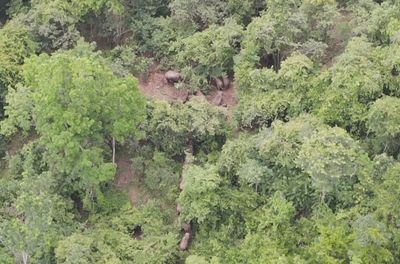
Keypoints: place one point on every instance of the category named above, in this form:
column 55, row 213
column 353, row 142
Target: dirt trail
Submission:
column 339, row 37
column 125, row 176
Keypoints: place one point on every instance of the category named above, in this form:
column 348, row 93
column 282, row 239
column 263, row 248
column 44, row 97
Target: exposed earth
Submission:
column 157, row 87
column 125, row 178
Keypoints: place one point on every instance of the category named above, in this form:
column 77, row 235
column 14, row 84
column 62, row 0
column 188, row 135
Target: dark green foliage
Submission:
column 16, row 44
column 281, row 95
column 34, row 215
column 356, row 80
column 261, row 110
column 161, row 177
column 300, row 164
column 197, row 13
column 126, row 61
column 114, row 239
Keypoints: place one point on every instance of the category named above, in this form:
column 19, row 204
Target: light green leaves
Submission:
column 383, row 120
column 329, row 156
column 174, row 127
column 199, row 197
column 384, row 117
column 75, row 103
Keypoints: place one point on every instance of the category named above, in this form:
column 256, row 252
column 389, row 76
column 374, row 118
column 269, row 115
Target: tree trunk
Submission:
column 113, row 150
column 25, row 258
column 277, row 61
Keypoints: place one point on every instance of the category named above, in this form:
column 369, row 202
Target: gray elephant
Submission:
column 173, row 76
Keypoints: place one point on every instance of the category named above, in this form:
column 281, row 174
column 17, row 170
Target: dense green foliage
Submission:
column 304, row 167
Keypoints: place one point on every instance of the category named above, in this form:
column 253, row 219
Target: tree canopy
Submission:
column 200, row 131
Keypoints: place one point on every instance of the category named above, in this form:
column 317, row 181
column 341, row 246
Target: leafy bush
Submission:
column 384, row 121
column 162, row 177
column 125, row 61
column 198, row 13
column 355, row 81
column 174, row 128
column 262, row 109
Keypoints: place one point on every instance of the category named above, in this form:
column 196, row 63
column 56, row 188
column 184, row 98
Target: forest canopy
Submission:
column 200, row 131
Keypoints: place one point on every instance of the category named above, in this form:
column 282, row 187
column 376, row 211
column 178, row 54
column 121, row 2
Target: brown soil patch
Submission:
column 129, row 180
column 125, row 176
column 156, row 86
column 339, row 36
column 229, row 97
column 124, row 172
column 19, row 141
column 134, row 195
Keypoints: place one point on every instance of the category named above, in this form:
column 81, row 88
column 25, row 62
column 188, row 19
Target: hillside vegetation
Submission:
column 200, row 131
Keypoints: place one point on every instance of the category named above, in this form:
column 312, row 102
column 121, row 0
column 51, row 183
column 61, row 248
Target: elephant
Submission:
column 179, row 209
column 226, row 81
column 219, row 84
column 185, row 241
column 217, row 100
column 173, row 76
column 222, row 83
column 187, row 227
column 182, row 184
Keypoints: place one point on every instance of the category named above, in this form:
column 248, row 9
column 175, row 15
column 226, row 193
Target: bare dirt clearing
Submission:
column 156, row 86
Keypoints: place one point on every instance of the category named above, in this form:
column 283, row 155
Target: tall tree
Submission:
column 76, row 104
